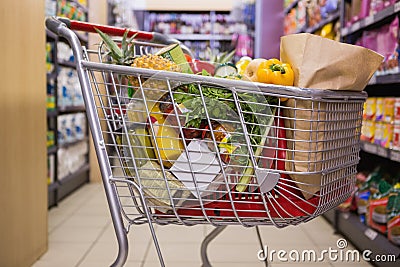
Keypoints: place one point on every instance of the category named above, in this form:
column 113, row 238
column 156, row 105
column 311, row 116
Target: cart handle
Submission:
column 54, row 22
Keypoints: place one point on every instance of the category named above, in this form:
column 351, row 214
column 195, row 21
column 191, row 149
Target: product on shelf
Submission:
column 51, row 101
column 64, row 52
column 50, row 138
column 381, row 122
column 69, row 92
column 295, row 20
column 50, row 8
column 70, row 10
column 71, row 158
column 393, row 208
column 383, row 40
column 71, row 128
column 49, row 57
column 376, row 216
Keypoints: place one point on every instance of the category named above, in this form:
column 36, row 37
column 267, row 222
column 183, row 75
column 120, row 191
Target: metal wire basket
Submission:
column 187, row 149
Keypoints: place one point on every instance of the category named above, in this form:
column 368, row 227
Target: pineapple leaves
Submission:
column 124, row 44
column 123, row 55
column 115, row 51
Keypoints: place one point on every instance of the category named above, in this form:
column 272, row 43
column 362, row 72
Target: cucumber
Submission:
column 226, row 69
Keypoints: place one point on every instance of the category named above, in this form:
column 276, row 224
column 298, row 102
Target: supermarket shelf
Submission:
column 82, row 7
column 52, row 150
column 68, row 144
column 71, row 109
column 52, row 113
column 201, row 37
column 370, row 20
column 70, row 183
column 385, row 79
column 68, row 178
column 313, row 29
column 52, row 194
column 391, row 154
column 363, row 237
column 52, row 75
column 331, row 18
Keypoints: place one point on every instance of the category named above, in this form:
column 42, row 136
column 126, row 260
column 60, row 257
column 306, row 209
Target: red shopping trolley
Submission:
column 187, row 149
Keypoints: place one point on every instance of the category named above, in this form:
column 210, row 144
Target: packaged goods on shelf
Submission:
column 71, row 127
column 50, row 8
column 381, row 124
column 79, row 126
column 393, row 208
column 69, row 90
column 377, row 213
column 64, row 52
column 383, row 40
column 51, row 101
column 370, row 109
column 368, row 131
column 189, row 23
column 396, row 137
column 70, row 10
column 49, row 57
column 50, row 138
column 295, row 19
column 71, row 158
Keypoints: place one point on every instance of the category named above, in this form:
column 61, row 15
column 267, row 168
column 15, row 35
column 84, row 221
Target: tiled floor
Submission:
column 81, row 234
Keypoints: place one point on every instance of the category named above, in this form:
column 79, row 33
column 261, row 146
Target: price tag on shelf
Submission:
column 368, row 20
column 356, row 26
column 371, row 234
column 370, row 148
column 383, row 152
column 395, row 155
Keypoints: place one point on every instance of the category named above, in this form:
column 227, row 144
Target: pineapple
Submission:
column 124, row 55
column 155, row 62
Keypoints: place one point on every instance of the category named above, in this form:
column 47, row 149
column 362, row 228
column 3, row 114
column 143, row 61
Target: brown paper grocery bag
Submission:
column 305, row 135
column 321, row 63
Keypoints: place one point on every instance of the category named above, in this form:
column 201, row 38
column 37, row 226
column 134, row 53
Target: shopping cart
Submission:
column 186, row 149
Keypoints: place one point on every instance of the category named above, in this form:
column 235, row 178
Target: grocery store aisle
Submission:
column 81, row 234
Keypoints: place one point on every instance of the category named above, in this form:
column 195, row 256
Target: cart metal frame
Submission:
column 334, row 115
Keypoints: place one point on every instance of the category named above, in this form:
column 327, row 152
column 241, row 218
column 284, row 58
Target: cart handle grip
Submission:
column 54, row 24
column 154, row 37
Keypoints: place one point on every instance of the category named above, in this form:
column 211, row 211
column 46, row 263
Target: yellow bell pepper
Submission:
column 275, row 72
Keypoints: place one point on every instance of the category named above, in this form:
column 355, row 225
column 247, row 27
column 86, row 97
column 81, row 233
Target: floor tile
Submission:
column 63, row 254
column 81, row 234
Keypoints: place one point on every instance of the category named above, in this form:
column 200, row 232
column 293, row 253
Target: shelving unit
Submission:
column 349, row 224
column 61, row 182
column 362, row 237
column 307, row 28
column 371, row 20
column 346, row 223
column 196, row 29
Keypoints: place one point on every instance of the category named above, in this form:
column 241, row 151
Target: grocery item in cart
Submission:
column 325, row 64
column 194, row 127
column 321, row 63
